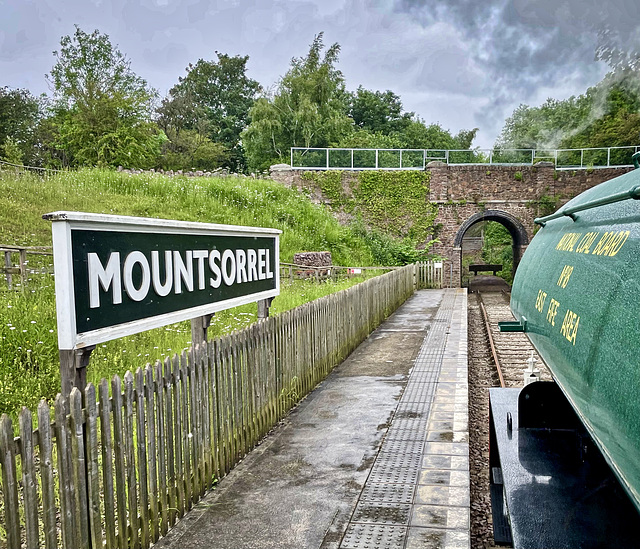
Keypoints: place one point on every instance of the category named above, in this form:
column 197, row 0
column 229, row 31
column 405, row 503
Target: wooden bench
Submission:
column 475, row 269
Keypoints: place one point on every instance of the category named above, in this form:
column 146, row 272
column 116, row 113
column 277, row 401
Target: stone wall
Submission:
column 294, row 179
column 478, row 183
column 570, row 183
column 464, row 191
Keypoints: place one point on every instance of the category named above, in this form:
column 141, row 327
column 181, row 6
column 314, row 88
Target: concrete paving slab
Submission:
column 432, row 538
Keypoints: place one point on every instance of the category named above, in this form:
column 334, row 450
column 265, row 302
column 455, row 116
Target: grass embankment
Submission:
column 28, row 340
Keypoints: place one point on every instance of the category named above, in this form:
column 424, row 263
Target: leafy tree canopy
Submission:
column 419, row 135
column 19, row 115
column 378, row 112
column 102, row 108
column 213, row 99
column 308, row 108
column 606, row 115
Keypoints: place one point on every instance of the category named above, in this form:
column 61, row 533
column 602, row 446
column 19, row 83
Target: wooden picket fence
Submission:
column 120, row 464
column 430, row 274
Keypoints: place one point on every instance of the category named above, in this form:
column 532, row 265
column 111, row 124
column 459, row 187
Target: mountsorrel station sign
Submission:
column 117, row 276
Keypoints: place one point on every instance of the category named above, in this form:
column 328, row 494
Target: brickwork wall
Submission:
column 463, row 191
column 294, row 180
column 483, row 183
column 570, row 183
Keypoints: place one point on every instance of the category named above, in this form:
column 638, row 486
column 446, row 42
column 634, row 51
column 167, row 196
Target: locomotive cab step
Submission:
column 550, row 486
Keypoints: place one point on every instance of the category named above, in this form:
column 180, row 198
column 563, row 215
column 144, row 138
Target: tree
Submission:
column 308, row 109
column 189, row 149
column 419, row 135
column 365, row 139
column 214, row 99
column 19, row 115
column 606, row 115
column 378, row 112
column 11, row 151
column 102, row 108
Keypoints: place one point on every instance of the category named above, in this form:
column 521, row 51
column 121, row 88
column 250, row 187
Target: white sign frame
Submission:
column 64, row 222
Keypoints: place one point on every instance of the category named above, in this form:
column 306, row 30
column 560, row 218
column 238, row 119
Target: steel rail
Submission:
column 491, row 343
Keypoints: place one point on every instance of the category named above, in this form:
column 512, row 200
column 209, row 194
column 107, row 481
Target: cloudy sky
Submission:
column 462, row 63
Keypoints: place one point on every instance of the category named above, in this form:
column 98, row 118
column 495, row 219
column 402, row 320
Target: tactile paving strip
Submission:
column 392, row 460
column 402, row 475
column 404, row 435
column 405, row 409
column 388, row 493
column 386, row 499
column 417, row 424
column 420, row 392
column 382, row 512
column 374, row 536
column 403, row 446
column 410, row 410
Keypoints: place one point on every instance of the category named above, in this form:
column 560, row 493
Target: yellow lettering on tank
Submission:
column 611, row 243
column 569, row 328
column 568, row 242
column 552, row 311
column 599, row 249
column 620, row 240
column 586, row 242
column 563, row 279
column 542, row 297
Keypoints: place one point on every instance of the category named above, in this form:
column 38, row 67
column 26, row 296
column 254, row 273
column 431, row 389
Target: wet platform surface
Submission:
column 375, row 457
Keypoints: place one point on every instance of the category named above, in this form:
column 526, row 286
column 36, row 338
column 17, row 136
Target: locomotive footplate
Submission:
column 551, row 487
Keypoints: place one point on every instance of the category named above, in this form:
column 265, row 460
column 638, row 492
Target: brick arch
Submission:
column 512, row 224
column 509, row 221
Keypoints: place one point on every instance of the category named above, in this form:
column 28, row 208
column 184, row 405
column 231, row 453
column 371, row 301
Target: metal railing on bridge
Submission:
column 306, row 158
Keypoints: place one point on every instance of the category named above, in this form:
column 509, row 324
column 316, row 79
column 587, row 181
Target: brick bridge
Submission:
column 468, row 194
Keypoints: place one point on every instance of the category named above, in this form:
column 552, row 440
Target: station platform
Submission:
column 376, row 456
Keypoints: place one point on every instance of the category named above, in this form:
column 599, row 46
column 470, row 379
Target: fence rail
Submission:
column 304, row 158
column 20, row 268
column 122, row 462
column 321, row 272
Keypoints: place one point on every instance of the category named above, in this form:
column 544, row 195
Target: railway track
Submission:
column 488, row 347
column 511, row 350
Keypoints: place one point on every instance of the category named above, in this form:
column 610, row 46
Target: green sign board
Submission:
column 117, row 276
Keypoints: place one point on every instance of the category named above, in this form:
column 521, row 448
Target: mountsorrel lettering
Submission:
column 174, row 271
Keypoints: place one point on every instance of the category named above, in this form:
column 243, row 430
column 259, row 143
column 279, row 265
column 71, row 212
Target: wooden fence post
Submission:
column 7, row 265
column 73, row 369
column 263, row 307
column 199, row 327
column 23, row 268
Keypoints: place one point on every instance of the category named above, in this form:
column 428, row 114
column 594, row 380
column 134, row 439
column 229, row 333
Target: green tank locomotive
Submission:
column 565, row 456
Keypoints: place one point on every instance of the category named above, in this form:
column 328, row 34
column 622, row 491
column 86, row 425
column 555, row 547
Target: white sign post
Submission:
column 116, row 276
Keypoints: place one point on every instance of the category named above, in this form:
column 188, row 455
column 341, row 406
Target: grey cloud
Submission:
column 523, row 46
column 461, row 62
column 27, row 33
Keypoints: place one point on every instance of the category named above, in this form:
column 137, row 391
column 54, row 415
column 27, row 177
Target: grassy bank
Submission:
column 28, row 339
